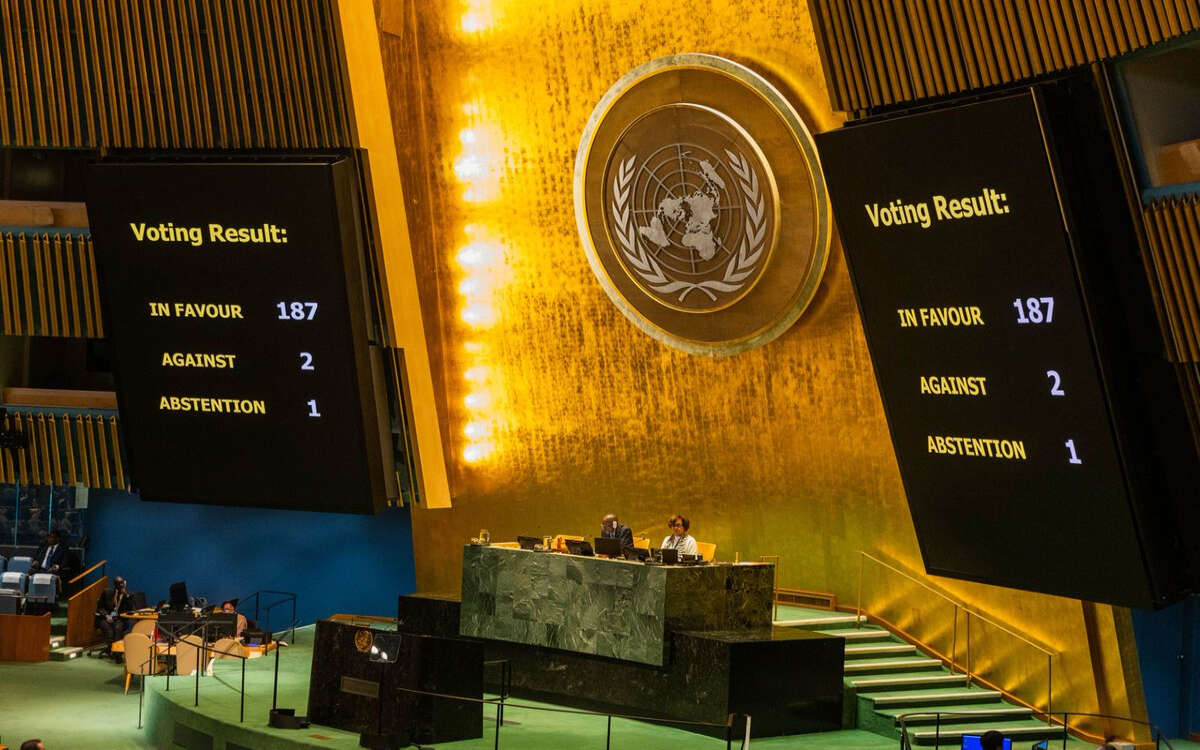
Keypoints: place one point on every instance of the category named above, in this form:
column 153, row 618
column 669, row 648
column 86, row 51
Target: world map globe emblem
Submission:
column 690, row 215
column 700, row 203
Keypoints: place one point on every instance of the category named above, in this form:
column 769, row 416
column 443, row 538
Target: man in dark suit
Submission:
column 51, row 557
column 109, row 608
column 611, row 528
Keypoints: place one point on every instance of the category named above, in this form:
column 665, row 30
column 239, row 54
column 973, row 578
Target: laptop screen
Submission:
column 971, row 742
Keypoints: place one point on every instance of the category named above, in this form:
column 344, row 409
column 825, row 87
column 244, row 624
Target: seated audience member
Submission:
column 112, row 603
column 32, row 745
column 992, row 740
column 611, row 528
column 230, row 608
column 51, row 556
column 679, row 539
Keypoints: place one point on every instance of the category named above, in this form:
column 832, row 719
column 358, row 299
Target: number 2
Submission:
column 1056, row 389
column 306, row 361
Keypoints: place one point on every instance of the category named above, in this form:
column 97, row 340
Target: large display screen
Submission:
column 234, row 296
column 984, row 352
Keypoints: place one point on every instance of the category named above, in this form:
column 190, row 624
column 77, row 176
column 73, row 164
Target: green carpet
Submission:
column 79, row 705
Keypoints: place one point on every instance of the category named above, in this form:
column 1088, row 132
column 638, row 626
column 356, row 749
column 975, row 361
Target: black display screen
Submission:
column 234, row 296
column 984, row 351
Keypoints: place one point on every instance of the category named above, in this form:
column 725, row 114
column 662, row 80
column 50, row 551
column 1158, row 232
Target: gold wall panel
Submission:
column 557, row 410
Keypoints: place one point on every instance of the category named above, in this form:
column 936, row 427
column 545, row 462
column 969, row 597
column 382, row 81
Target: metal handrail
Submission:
column 952, row 660
column 1045, row 651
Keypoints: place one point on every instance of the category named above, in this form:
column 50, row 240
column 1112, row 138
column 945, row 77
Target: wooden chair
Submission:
column 140, row 657
column 145, row 627
column 226, row 648
column 560, row 541
column 187, row 655
column 707, row 551
column 642, row 542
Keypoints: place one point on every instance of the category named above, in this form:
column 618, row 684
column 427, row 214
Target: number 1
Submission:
column 312, row 408
column 1074, row 459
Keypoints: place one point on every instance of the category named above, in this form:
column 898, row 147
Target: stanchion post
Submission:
column 608, row 735
column 141, row 694
column 275, row 684
column 242, row 715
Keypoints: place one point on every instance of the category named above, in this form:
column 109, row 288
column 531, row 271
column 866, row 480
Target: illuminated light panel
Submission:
column 478, row 400
column 476, row 452
column 470, row 167
column 479, row 315
column 473, row 347
column 476, row 255
column 477, row 430
column 476, row 374
column 472, row 286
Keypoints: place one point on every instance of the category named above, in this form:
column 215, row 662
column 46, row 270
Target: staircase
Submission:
column 59, row 650
column 886, row 677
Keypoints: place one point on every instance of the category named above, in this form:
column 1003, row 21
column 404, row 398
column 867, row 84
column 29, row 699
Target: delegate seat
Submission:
column 188, row 652
column 10, row 603
column 140, row 657
column 20, row 564
column 706, row 550
column 13, row 581
column 43, row 587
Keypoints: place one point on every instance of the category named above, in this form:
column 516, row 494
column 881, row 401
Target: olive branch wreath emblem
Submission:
column 741, row 264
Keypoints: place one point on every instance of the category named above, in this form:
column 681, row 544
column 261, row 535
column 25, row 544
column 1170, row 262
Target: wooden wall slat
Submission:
column 182, row 74
column 882, row 52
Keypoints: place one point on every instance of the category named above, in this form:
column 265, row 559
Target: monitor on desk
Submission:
column 666, row 556
column 179, row 599
column 222, row 625
column 609, row 546
column 175, row 625
column 576, row 547
column 529, row 542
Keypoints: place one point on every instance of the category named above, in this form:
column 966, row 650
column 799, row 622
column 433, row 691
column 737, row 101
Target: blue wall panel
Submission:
column 1167, row 643
column 334, row 562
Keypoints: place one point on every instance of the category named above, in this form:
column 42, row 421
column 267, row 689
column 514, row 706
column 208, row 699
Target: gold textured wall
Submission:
column 556, row 410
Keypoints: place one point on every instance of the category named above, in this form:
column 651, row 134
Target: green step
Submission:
column 865, row 650
column 897, row 664
column 955, row 715
column 856, row 635
column 822, row 621
column 1030, row 730
column 902, row 680
column 65, row 653
column 932, row 697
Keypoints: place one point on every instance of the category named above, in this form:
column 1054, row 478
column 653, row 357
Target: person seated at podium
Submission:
column 230, row 608
column 109, row 607
column 611, row 528
column 679, row 539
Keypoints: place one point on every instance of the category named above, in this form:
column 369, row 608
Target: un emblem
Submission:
column 701, row 204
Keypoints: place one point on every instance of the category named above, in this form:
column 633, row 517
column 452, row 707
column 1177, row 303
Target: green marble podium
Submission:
column 614, row 608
